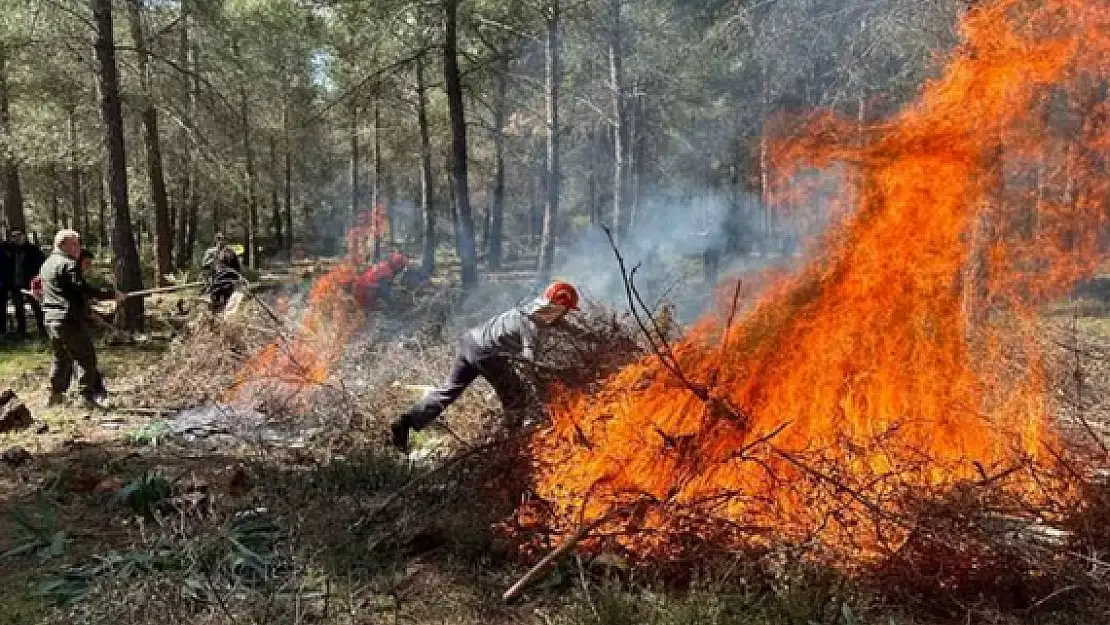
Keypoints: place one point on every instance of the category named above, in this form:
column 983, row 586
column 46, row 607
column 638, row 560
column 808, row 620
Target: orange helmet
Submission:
column 563, row 294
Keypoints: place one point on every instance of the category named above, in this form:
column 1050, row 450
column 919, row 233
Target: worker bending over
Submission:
column 488, row 351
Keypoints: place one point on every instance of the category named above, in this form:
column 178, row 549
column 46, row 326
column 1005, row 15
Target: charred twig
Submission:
column 766, row 438
column 731, row 316
column 635, row 303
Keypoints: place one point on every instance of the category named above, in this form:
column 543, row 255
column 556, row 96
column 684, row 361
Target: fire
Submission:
column 294, row 367
column 887, row 368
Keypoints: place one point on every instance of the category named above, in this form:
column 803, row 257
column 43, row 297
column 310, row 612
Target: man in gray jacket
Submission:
column 488, row 351
column 65, row 296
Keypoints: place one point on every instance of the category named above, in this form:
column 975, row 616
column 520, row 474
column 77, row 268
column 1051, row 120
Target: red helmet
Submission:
column 563, row 294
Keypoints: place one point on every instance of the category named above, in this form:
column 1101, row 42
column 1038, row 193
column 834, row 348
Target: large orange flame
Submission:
column 902, row 359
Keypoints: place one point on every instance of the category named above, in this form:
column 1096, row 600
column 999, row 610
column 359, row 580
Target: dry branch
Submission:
column 541, row 567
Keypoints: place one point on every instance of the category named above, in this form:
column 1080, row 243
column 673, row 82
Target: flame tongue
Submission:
column 884, row 368
column 292, row 368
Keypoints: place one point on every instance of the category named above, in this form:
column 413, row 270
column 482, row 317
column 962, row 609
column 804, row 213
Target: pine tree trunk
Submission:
column 75, row 198
column 163, row 229
column 376, row 189
column 355, row 166
column 468, row 253
column 275, row 203
column 635, row 164
column 620, row 123
column 102, row 204
column 55, row 212
column 13, row 194
column 250, row 242
column 288, row 186
column 83, row 203
column 496, row 232
column 594, row 204
column 427, row 182
column 182, row 245
column 551, row 201
column 194, row 191
column 128, row 273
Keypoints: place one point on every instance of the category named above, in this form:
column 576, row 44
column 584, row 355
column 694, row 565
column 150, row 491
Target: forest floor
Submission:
column 139, row 515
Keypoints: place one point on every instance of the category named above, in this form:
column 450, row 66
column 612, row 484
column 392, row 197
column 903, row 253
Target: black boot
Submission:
column 399, row 430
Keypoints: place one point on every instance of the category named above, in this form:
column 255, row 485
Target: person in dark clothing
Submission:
column 487, row 351
column 222, row 271
column 21, row 263
column 65, row 296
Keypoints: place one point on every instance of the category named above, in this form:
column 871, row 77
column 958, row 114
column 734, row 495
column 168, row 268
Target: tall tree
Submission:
column 620, row 121
column 186, row 214
column 355, row 177
column 76, row 198
column 128, row 274
column 276, row 222
column 496, row 231
column 56, row 219
column 9, row 160
column 553, row 173
column 375, row 189
column 467, row 249
column 287, row 177
column 163, row 228
column 427, row 180
column 250, row 230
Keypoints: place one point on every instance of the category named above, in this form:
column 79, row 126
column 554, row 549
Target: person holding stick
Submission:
column 65, row 295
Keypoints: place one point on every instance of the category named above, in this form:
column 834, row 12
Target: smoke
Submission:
column 684, row 241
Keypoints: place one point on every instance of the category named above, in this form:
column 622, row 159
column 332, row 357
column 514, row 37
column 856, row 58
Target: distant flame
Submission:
column 293, row 367
column 884, row 368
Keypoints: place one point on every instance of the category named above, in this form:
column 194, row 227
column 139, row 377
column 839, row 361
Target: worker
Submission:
column 488, row 350
column 365, row 288
column 20, row 264
column 222, row 272
column 65, row 306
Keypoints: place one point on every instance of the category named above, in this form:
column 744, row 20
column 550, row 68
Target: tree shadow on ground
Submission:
column 335, row 542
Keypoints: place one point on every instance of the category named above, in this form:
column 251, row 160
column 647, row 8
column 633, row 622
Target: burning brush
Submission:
column 291, row 368
column 901, row 363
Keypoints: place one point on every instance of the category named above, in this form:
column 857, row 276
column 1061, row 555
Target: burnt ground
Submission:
column 270, row 514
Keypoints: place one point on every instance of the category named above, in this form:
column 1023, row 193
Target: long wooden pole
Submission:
column 164, row 289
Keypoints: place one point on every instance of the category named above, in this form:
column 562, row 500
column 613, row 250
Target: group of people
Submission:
column 60, row 294
column 20, row 261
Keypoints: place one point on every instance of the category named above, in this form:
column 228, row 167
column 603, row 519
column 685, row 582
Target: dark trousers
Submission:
column 469, row 364
column 19, row 302
column 72, row 344
column 219, row 296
